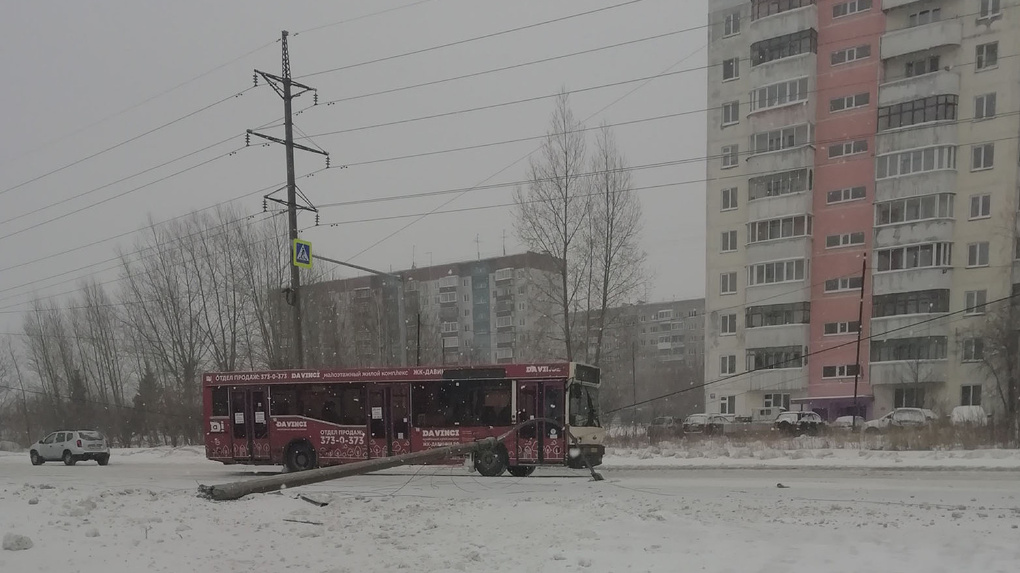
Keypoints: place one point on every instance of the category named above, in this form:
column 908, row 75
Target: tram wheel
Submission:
column 491, row 462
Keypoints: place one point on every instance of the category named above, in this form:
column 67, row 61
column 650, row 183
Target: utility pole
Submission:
column 633, row 375
column 860, row 331
column 284, row 86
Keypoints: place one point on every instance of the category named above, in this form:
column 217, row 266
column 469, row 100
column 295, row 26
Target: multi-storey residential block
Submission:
column 482, row 312
column 850, row 137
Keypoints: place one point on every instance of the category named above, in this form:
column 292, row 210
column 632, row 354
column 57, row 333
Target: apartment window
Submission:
column 843, row 284
column 450, row 327
column 728, row 405
column 467, row 298
column 467, row 312
column 728, row 324
column 980, row 206
column 776, row 357
column 763, row 8
column 727, row 283
column 850, row 54
column 915, row 161
column 913, row 302
column 776, row 184
column 521, row 322
column 522, row 290
column 775, row 272
column 467, row 327
column 848, row 148
column 977, row 254
column 729, row 199
column 504, row 274
column 982, row 156
column 729, row 156
column 984, row 106
column 926, row 65
column 731, row 26
column 692, row 313
column 446, row 297
column 932, row 108
column 777, row 401
column 987, row 56
column 970, row 395
column 731, row 69
column 779, row 94
column 975, row 301
column 844, row 240
column 504, row 353
column 847, row 194
column 504, row 321
column 908, row 398
column 731, row 113
column 849, row 102
column 784, row 228
column 777, row 314
column 914, row 256
column 451, row 342
column 729, row 241
column 851, row 7
column 845, row 327
column 786, row 46
column 728, row 364
column 989, row 8
column 664, row 315
column 840, row 371
column 924, row 17
column 914, row 209
column 780, row 139
column 916, row 348
column 448, row 282
column 973, row 349
column 520, row 306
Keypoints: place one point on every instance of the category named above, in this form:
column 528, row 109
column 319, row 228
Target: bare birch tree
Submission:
column 553, row 210
column 999, row 337
column 616, row 273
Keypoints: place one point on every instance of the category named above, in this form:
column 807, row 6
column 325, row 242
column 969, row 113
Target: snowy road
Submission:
column 141, row 514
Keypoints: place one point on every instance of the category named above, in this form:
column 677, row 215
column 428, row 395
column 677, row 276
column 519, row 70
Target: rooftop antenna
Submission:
column 504, row 242
column 413, row 265
column 478, row 246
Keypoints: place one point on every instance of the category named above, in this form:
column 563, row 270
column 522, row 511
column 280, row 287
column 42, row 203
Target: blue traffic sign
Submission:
column 302, row 254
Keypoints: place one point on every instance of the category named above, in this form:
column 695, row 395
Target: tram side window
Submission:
column 283, row 402
column 461, row 403
column 220, row 402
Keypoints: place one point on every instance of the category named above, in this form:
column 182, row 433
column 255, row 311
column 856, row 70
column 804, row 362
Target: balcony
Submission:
column 788, row 22
column 904, row 372
column 893, row 4
column 921, row 38
column 784, row 69
column 784, row 335
column 901, row 324
column 504, row 307
column 926, row 231
column 778, row 206
column 943, row 181
column 785, row 160
column 911, row 280
column 942, row 132
column 907, row 89
column 449, row 313
column 779, row 293
column 778, row 380
column 777, row 249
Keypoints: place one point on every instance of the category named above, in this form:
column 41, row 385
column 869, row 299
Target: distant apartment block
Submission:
column 475, row 312
column 845, row 131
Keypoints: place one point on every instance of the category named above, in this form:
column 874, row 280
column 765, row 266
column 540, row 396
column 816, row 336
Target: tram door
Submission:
column 249, row 410
column 389, row 420
column 541, row 442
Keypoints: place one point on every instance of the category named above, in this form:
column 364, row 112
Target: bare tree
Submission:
column 616, row 272
column 999, row 341
column 553, row 210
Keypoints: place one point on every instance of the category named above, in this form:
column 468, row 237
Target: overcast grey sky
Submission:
column 70, row 64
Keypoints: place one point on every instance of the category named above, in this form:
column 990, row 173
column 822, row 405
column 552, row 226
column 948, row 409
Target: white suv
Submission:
column 71, row 446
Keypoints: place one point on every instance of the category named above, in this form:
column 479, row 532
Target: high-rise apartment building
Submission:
column 486, row 311
column 853, row 134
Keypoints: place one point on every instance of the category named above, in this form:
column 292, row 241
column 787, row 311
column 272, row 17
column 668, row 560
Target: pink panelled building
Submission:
column 852, row 143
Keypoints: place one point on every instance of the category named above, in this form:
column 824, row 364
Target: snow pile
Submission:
column 10, row 447
column 722, row 455
column 15, row 542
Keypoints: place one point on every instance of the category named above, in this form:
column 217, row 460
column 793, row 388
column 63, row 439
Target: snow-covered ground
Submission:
column 141, row 513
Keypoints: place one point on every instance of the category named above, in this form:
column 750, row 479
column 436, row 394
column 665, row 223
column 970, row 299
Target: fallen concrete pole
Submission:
column 239, row 489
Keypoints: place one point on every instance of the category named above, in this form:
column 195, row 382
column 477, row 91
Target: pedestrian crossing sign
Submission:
column 302, row 254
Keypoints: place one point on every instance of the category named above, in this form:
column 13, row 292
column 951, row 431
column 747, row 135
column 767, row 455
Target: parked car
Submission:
column 708, row 424
column 848, row 423
column 899, row 418
column 71, row 447
column 803, row 422
column 665, row 427
column 969, row 416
